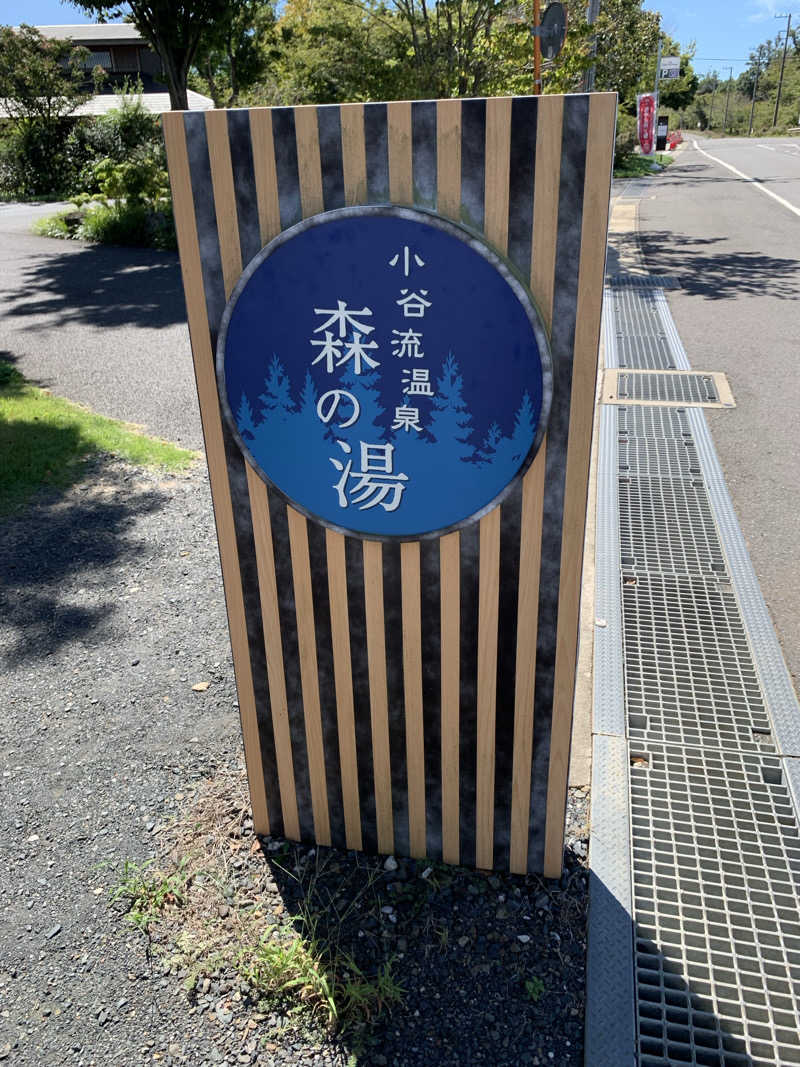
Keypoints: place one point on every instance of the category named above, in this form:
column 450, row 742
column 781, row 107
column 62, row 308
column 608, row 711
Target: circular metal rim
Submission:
column 479, row 245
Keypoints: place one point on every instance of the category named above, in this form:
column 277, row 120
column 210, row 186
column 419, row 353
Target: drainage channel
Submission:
column 694, row 922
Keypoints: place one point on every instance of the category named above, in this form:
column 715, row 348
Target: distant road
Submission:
column 103, row 326
column 733, row 236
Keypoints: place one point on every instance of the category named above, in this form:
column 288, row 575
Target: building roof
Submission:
column 156, row 103
column 94, row 33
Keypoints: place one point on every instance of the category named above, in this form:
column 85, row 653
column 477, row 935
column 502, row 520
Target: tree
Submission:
column 175, row 30
column 235, row 54
column 451, row 422
column 41, row 80
column 626, row 38
column 276, row 400
column 329, row 51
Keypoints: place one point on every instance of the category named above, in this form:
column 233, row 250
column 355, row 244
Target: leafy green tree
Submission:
column 236, row 54
column 42, row 83
column 174, row 28
column 41, row 79
column 330, row 51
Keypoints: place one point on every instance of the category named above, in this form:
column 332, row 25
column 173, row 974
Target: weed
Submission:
column 147, row 892
column 53, row 225
column 534, row 987
column 636, row 166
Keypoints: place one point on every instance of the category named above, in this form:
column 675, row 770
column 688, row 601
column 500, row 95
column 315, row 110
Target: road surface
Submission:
column 729, row 227
column 103, row 326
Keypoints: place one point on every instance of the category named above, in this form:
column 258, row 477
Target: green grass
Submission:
column 640, row 166
column 45, row 440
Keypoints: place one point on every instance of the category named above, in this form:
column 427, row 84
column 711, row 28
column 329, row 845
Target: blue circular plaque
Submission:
column 385, row 371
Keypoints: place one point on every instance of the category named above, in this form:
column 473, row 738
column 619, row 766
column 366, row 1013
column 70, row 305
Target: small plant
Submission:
column 534, row 987
column 148, row 894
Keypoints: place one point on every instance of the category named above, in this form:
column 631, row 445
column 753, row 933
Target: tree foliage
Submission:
column 41, row 79
column 175, row 30
column 236, row 52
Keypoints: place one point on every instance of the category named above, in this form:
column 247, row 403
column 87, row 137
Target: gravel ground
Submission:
column 110, row 610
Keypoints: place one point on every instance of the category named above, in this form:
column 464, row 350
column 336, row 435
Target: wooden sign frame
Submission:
column 416, row 697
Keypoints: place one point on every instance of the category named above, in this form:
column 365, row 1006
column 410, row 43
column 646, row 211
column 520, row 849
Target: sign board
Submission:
column 645, row 111
column 670, row 67
column 395, row 312
column 552, row 30
column 662, row 129
column 382, row 411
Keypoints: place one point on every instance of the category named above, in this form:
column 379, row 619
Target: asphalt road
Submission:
column 736, row 249
column 103, row 326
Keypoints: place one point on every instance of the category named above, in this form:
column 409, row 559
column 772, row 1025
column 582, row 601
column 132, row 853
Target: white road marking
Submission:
column 757, row 182
column 766, row 147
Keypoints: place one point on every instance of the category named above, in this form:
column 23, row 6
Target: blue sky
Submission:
column 725, row 32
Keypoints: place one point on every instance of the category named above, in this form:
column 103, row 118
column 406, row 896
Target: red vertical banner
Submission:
column 646, row 114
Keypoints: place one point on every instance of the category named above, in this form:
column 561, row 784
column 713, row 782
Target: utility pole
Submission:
column 727, row 99
column 658, row 73
column 753, row 102
column 592, row 11
column 788, row 18
column 711, row 109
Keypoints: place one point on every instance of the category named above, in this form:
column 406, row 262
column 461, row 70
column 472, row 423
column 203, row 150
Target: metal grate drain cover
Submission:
column 631, row 387
column 689, row 674
column 645, row 352
column 645, row 281
column 653, row 458
column 666, row 526
column 716, row 871
column 653, row 422
column 636, row 312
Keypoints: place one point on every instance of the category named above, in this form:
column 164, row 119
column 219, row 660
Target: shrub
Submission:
column 34, row 161
column 627, row 137
column 131, row 224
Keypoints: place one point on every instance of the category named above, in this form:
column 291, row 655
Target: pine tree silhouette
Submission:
column 451, row 422
column 369, row 426
column 522, row 436
column 490, row 443
column 276, row 400
column 244, row 419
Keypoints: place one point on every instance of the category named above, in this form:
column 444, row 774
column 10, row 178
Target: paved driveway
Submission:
column 103, row 326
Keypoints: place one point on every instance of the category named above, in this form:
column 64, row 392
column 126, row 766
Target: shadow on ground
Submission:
column 100, row 286
column 61, row 544
column 486, row 968
column 707, row 267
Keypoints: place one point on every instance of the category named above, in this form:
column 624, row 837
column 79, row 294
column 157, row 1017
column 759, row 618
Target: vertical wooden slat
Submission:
column 448, row 187
column 262, row 535
column 498, row 153
column 308, row 161
column 545, row 203
column 543, row 258
column 412, row 674
column 448, row 158
column 343, row 675
column 450, row 564
column 219, row 156
column 401, row 185
column 191, row 270
column 306, row 639
column 498, row 148
column 488, row 591
column 529, row 563
column 354, row 154
column 587, row 334
column 269, row 215
column 378, row 693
